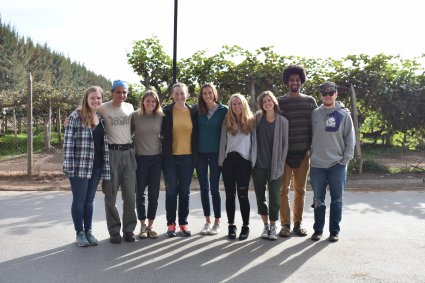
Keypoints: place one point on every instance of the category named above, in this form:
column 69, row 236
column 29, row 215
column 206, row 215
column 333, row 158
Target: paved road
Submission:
column 382, row 240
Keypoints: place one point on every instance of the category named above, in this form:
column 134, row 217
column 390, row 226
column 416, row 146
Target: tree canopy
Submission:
column 389, row 88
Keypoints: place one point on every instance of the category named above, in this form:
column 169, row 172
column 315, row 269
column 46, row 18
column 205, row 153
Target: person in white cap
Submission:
column 332, row 148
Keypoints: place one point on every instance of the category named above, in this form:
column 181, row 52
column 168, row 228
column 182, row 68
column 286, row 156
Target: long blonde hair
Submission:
column 158, row 109
column 246, row 122
column 84, row 109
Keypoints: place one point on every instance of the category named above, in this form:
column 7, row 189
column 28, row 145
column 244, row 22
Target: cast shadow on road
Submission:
column 179, row 259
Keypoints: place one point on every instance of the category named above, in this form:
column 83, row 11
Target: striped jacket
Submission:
column 78, row 147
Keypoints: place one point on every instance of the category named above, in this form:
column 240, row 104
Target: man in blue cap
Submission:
column 117, row 115
column 332, row 148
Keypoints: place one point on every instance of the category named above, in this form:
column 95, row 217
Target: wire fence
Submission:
column 45, row 134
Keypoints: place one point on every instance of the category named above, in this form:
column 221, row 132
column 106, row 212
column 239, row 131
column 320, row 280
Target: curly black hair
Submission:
column 294, row 69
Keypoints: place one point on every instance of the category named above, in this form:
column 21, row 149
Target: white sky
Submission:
column 99, row 34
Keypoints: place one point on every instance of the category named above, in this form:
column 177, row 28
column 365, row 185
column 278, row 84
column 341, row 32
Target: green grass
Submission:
column 10, row 147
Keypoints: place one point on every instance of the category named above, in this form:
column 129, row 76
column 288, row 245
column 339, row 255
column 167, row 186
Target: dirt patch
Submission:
column 47, row 174
column 405, row 161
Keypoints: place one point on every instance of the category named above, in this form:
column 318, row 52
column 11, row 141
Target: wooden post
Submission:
column 253, row 101
column 356, row 128
column 29, row 128
column 59, row 126
column 15, row 128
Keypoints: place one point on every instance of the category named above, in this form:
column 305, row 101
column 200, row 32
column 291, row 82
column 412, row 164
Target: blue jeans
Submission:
column 178, row 171
column 205, row 161
column 320, row 178
column 148, row 175
column 83, row 192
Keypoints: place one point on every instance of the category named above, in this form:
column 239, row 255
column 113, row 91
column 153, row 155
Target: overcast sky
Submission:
column 99, row 34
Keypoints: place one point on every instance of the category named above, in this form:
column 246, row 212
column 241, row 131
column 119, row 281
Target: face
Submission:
column 208, row 95
column 149, row 103
column 119, row 94
column 329, row 97
column 94, row 100
column 294, row 83
column 268, row 104
column 237, row 106
column 179, row 95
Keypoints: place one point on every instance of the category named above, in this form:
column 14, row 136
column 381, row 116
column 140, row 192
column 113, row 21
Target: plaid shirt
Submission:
column 78, row 149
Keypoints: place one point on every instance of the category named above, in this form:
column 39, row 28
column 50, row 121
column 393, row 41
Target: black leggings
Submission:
column 236, row 176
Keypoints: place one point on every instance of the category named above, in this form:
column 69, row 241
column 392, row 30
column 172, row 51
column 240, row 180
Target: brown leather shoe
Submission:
column 285, row 230
column 299, row 229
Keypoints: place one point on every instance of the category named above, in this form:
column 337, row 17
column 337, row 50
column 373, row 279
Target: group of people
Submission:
column 276, row 146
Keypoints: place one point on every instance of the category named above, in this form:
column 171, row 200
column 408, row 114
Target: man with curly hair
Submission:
column 297, row 108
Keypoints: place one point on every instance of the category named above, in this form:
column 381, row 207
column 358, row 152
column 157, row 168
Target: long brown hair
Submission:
column 272, row 97
column 246, row 122
column 202, row 106
column 158, row 109
column 84, row 108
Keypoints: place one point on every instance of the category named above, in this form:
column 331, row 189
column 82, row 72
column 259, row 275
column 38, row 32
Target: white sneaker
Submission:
column 265, row 233
column 215, row 229
column 273, row 232
column 206, row 229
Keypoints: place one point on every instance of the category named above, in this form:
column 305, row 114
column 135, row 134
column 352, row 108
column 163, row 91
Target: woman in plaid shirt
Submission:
column 86, row 161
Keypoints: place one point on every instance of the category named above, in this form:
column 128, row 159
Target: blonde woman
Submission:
column 237, row 156
column 86, row 161
column 178, row 146
column 146, row 124
column 272, row 135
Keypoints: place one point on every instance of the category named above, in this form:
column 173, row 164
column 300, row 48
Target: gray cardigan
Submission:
column 223, row 146
column 280, row 144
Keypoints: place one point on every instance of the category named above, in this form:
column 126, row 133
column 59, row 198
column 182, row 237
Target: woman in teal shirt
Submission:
column 210, row 115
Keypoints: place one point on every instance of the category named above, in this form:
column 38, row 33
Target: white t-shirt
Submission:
column 117, row 122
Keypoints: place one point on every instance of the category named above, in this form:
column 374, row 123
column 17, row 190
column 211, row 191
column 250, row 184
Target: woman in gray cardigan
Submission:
column 272, row 148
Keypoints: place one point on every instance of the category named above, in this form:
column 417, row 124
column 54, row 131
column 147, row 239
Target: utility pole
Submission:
column 175, row 43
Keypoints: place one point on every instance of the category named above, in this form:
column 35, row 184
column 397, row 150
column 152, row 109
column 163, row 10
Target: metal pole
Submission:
column 175, row 43
column 29, row 128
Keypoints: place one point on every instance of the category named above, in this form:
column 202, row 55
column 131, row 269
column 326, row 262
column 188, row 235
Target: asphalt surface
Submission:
column 382, row 240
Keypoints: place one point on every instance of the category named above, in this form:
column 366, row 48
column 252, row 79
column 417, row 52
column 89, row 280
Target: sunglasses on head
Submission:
column 327, row 93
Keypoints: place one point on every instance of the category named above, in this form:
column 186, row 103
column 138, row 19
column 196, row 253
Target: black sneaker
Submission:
column 317, row 235
column 333, row 237
column 129, row 237
column 115, row 238
column 244, row 233
column 232, row 232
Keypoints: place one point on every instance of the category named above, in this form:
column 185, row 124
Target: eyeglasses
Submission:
column 327, row 93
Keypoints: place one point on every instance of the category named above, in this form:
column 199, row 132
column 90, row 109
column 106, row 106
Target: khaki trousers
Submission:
column 299, row 181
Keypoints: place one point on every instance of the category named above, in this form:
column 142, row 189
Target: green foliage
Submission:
column 369, row 166
column 409, row 139
column 152, row 64
column 390, row 90
column 55, row 77
column 9, row 146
